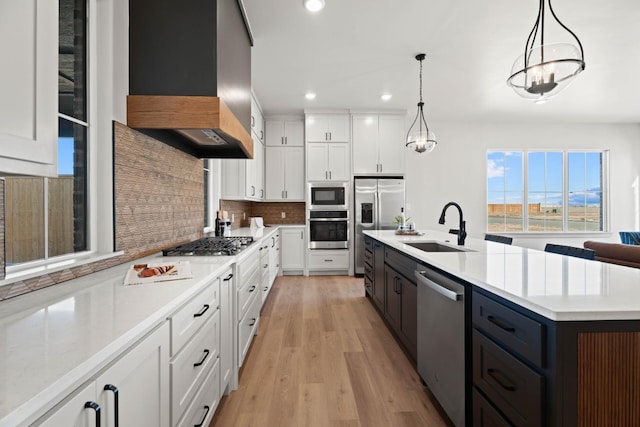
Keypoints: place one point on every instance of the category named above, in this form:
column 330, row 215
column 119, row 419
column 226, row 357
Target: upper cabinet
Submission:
column 285, row 133
column 257, row 120
column 378, row 144
column 327, row 127
column 29, row 87
column 328, row 162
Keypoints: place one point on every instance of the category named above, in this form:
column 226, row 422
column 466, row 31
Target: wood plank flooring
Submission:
column 323, row 357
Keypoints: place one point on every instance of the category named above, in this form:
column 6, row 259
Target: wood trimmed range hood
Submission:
column 201, row 125
column 190, row 75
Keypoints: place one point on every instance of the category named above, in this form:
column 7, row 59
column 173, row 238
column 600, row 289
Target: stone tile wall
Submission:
column 270, row 211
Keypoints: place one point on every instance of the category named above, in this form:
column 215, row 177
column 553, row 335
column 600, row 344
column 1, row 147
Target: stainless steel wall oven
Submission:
column 328, row 229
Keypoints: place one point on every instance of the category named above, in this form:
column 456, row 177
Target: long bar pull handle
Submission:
column 206, row 354
column 501, row 379
column 203, row 311
column 286, row 141
column 500, row 324
column 206, row 412
column 93, row 405
column 447, row 293
column 116, row 409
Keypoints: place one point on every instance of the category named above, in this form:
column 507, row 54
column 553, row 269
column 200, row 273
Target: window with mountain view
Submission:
column 546, row 191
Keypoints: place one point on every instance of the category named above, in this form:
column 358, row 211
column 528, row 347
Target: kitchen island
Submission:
column 549, row 340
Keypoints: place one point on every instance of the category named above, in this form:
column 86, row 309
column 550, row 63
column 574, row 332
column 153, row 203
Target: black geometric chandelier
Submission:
column 419, row 137
column 544, row 70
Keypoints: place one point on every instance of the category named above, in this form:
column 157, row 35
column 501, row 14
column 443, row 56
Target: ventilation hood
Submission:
column 190, row 75
column 202, row 125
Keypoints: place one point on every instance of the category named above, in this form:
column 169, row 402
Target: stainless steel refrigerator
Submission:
column 377, row 203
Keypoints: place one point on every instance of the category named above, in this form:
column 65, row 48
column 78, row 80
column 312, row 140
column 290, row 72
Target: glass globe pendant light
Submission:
column 544, row 70
column 420, row 138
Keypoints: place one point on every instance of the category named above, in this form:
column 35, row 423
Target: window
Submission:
column 546, row 191
column 47, row 217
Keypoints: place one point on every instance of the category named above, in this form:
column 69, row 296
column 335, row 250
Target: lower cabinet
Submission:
column 293, row 249
column 377, row 288
column 328, row 260
column 226, row 330
column 134, row 390
column 249, row 301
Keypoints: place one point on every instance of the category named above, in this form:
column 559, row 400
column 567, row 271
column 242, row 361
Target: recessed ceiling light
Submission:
column 310, row 96
column 314, row 5
column 386, row 96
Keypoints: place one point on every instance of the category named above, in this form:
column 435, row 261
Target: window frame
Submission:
column 606, row 228
column 100, row 204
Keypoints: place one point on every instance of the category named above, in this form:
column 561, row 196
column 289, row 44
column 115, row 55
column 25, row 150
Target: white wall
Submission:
column 456, row 171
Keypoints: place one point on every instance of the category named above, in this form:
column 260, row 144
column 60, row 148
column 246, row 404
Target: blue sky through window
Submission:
column 65, row 156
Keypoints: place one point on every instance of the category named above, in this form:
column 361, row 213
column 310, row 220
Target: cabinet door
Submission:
column 73, row 412
column 275, row 172
column 257, row 121
column 338, row 160
column 391, row 140
column 233, row 177
column 29, row 87
column 142, row 379
column 275, row 133
column 378, row 276
column 259, row 165
column 392, row 308
column 294, row 173
column 365, row 145
column 316, row 128
column 294, row 133
column 226, row 328
column 251, row 190
column 317, row 162
column 293, row 250
column 409, row 315
column 338, row 128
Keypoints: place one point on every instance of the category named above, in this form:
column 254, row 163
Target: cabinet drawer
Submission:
column 327, row 260
column 368, row 285
column 188, row 319
column 368, row 257
column 368, row 244
column 206, row 401
column 190, row 367
column 401, row 263
column 248, row 290
column 521, row 334
column 247, row 328
column 247, row 267
column 514, row 388
column 484, row 414
column 368, row 271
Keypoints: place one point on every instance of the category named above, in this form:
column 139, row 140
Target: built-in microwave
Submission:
column 327, row 196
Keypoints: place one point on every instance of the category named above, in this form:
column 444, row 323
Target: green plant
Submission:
column 398, row 219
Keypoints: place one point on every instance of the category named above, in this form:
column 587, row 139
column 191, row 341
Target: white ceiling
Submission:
column 354, row 50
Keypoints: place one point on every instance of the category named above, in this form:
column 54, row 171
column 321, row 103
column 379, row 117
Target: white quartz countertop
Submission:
column 54, row 339
column 558, row 287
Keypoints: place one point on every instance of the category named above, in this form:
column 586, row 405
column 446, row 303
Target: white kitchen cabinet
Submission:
column 378, row 144
column 29, row 87
column 274, row 258
column 226, row 330
column 292, row 242
column 257, row 119
column 139, row 380
column 265, row 284
column 327, row 127
column 285, row 132
column 284, row 174
column 332, row 260
column 328, row 162
column 248, row 300
column 244, row 179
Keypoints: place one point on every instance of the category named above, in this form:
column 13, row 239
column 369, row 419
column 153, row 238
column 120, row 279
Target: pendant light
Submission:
column 544, row 70
column 419, row 137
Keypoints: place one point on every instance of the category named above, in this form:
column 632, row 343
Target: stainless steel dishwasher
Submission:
column 441, row 341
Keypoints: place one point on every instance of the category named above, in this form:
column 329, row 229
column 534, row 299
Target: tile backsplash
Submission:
column 271, row 212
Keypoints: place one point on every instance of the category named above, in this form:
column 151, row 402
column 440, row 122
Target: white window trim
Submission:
column 565, row 190
column 100, row 201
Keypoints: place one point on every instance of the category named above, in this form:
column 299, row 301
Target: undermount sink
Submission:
column 435, row 247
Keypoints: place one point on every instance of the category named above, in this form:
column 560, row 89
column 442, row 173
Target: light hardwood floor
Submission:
column 323, row 357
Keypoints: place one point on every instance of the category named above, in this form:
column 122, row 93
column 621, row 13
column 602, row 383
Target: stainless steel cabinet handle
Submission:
column 329, row 174
column 253, row 190
column 326, row 136
column 93, row 405
column 328, row 260
column 286, row 141
column 116, row 410
column 282, row 140
column 261, row 134
column 380, row 167
column 286, row 194
column 262, row 193
column 454, row 296
column 330, row 136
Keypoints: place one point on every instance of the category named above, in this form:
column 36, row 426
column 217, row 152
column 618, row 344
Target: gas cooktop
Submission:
column 211, row 246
